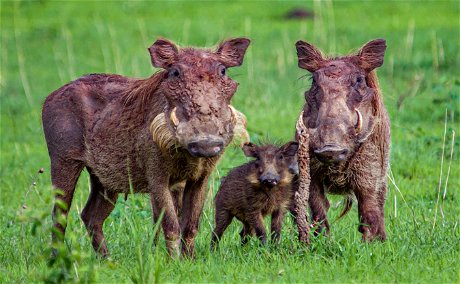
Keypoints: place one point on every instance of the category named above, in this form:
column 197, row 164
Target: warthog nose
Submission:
column 269, row 180
column 331, row 154
column 206, row 147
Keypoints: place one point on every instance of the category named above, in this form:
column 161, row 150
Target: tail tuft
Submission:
column 348, row 200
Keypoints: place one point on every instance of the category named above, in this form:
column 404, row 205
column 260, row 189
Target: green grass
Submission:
column 44, row 44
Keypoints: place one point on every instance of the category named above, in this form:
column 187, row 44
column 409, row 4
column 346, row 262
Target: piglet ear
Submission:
column 231, row 52
column 310, row 58
column 250, row 150
column 290, row 149
column 371, row 54
column 163, row 53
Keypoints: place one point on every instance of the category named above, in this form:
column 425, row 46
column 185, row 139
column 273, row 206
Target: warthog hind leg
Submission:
column 98, row 207
column 64, row 176
column 319, row 205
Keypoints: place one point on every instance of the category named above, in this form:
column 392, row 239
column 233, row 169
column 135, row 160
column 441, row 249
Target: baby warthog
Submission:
column 349, row 134
column 256, row 189
column 145, row 134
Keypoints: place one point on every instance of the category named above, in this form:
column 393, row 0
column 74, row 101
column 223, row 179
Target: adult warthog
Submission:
column 145, row 134
column 349, row 134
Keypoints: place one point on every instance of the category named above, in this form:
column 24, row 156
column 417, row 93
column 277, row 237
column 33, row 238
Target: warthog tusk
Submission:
column 359, row 123
column 173, row 117
column 161, row 133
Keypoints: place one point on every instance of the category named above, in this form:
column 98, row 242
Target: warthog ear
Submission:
column 232, row 51
column 290, row 149
column 250, row 150
column 371, row 54
column 163, row 53
column 310, row 58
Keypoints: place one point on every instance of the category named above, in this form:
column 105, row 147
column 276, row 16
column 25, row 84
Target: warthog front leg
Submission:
column 256, row 221
column 177, row 192
column 162, row 200
column 371, row 214
column 276, row 223
column 192, row 206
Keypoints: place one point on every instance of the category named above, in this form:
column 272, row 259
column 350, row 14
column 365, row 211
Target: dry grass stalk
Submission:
column 440, row 172
column 302, row 194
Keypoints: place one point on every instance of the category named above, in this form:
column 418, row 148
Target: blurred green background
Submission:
column 45, row 44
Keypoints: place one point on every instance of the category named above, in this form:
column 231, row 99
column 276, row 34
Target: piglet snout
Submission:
column 269, row 180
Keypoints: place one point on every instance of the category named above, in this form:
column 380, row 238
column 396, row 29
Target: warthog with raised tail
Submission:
column 349, row 133
column 145, row 134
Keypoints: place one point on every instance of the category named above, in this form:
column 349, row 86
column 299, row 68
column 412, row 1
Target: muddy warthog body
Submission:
column 256, row 189
column 145, row 134
column 349, row 134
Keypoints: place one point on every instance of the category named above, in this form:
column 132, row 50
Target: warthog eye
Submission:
column 359, row 80
column 174, row 72
column 222, row 70
column 280, row 157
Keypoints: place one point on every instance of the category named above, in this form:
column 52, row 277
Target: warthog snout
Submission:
column 269, row 180
column 331, row 154
column 208, row 147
